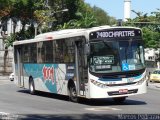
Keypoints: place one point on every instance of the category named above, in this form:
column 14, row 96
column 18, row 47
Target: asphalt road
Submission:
column 17, row 103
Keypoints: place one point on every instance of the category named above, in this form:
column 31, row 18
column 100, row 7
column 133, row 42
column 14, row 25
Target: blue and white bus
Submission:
column 99, row 62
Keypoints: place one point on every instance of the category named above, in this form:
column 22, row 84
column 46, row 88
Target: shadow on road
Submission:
column 70, row 117
column 91, row 102
column 111, row 102
column 45, row 94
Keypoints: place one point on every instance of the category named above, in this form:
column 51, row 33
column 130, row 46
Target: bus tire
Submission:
column 119, row 100
column 73, row 93
column 31, row 87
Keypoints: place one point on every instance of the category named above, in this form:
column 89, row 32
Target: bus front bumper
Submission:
column 117, row 91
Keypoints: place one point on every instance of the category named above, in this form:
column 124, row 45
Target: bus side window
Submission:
column 39, row 49
column 69, row 51
column 49, row 50
column 66, row 52
column 59, row 56
column 33, row 53
column 45, row 52
column 53, row 51
column 25, row 53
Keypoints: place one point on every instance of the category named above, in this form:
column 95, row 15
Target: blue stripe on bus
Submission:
column 138, row 77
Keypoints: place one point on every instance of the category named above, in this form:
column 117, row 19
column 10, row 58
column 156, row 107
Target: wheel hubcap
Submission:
column 73, row 92
column 31, row 87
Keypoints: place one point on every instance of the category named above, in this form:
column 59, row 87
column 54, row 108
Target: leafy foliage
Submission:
column 150, row 26
column 85, row 21
column 151, row 38
column 79, row 15
column 102, row 17
column 9, row 40
column 86, row 16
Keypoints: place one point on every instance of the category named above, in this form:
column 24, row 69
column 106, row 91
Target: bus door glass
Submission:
column 81, row 73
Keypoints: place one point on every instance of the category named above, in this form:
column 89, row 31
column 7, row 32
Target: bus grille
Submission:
column 123, row 84
column 117, row 92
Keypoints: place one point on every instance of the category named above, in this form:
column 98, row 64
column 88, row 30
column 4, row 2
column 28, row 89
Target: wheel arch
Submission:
column 30, row 78
column 72, row 92
column 70, row 83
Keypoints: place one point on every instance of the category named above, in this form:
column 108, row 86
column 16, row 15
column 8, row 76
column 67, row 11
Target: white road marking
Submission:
column 102, row 109
column 3, row 113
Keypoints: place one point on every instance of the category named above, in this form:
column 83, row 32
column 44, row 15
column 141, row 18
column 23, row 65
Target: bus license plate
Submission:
column 122, row 91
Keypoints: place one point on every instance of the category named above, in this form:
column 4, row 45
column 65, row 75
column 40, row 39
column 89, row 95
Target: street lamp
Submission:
column 35, row 28
column 65, row 10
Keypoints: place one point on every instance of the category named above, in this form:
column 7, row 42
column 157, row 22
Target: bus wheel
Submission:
column 119, row 99
column 73, row 93
column 31, row 87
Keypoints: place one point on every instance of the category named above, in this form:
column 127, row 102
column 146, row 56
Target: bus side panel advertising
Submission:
column 50, row 77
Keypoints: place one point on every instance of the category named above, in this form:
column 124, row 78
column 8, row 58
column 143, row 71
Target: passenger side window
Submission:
column 29, row 53
column 25, row 53
column 45, row 52
column 33, row 53
column 59, row 56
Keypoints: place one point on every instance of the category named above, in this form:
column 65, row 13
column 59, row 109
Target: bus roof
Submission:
column 67, row 33
column 61, row 33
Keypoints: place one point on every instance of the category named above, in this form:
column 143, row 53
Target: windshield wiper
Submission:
column 105, row 43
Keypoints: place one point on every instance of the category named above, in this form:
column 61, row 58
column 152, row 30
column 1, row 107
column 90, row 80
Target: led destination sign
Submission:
column 115, row 33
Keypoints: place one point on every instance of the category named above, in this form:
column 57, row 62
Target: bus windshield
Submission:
column 116, row 56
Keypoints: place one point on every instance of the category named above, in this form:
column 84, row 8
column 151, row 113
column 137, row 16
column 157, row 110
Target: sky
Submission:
column 115, row 8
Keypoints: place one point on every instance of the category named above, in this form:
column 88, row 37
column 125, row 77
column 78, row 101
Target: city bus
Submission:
column 93, row 63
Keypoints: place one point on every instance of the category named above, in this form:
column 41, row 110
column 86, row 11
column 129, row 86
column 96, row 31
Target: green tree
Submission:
column 85, row 16
column 102, row 17
column 6, row 8
column 151, row 38
column 150, row 26
column 80, row 15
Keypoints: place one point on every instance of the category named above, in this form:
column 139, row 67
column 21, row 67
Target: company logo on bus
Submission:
column 48, row 74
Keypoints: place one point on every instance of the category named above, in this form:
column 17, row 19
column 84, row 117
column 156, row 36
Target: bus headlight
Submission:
column 99, row 84
column 141, row 81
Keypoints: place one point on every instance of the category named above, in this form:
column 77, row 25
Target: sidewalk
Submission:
column 4, row 78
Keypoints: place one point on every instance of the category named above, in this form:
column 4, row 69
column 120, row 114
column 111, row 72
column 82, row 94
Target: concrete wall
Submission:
column 6, row 69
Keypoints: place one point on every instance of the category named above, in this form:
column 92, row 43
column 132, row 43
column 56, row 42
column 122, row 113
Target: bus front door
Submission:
column 81, row 72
